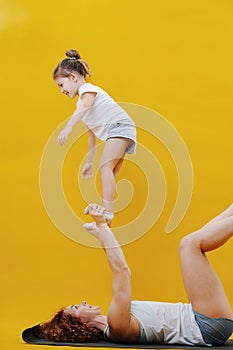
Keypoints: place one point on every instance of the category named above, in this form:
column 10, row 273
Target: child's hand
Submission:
column 63, row 136
column 88, row 170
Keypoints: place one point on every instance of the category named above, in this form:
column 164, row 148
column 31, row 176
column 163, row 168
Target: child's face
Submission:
column 67, row 85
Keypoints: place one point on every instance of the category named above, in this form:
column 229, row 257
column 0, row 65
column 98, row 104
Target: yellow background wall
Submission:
column 172, row 56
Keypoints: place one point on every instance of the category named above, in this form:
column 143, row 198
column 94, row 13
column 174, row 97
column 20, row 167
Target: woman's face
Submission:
column 83, row 311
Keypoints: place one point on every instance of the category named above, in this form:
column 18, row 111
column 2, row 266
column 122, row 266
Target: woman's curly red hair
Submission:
column 64, row 327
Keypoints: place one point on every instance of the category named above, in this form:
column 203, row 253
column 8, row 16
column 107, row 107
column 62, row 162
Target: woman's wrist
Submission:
column 107, row 238
column 102, row 225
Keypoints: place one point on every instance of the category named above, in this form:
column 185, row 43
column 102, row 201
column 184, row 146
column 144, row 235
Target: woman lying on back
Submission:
column 206, row 320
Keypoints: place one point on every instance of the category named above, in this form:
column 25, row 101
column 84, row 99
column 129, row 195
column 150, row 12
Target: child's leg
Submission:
column 202, row 284
column 118, row 166
column 110, row 164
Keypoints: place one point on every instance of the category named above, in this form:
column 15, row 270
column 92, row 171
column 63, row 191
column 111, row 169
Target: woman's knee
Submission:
column 189, row 241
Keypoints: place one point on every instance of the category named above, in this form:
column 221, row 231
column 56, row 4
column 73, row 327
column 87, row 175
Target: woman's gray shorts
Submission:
column 124, row 130
column 215, row 331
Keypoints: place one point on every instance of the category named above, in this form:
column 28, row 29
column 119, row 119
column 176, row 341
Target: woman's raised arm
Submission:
column 121, row 325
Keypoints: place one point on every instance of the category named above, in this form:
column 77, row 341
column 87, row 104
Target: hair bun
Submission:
column 73, row 54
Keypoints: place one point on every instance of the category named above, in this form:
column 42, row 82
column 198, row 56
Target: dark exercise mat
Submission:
column 29, row 337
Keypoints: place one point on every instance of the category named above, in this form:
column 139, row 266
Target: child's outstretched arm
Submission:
column 87, row 102
column 88, row 168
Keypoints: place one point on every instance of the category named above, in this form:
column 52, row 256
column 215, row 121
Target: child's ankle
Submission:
column 108, row 215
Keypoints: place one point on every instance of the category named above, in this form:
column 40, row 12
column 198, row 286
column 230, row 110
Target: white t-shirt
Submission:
column 104, row 112
column 166, row 323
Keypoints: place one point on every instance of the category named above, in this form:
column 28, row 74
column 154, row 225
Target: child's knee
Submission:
column 105, row 169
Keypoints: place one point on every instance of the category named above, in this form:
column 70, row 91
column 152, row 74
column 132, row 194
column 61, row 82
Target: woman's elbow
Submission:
column 122, row 269
column 125, row 270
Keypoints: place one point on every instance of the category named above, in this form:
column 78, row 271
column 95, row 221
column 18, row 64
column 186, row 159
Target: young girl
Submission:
column 104, row 119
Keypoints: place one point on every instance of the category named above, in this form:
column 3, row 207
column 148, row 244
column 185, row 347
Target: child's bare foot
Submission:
column 108, row 217
column 99, row 214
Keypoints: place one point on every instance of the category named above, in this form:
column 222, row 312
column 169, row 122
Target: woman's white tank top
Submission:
column 166, row 323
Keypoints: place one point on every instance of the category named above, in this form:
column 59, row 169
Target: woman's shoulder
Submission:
column 129, row 335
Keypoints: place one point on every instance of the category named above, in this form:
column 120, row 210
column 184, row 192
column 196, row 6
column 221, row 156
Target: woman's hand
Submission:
column 88, row 170
column 63, row 136
column 97, row 213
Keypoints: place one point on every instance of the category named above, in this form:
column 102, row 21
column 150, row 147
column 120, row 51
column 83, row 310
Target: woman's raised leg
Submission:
column 225, row 214
column 203, row 287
